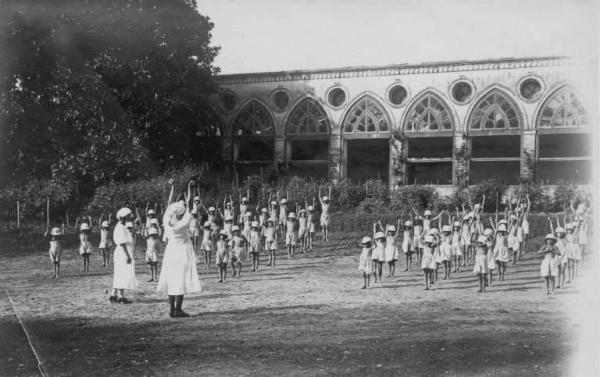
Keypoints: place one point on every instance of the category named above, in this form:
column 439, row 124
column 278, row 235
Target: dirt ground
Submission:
column 305, row 317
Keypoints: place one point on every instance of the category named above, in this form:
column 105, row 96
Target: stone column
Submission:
column 279, row 154
column 460, row 160
column 335, row 158
column 528, row 155
column 397, row 160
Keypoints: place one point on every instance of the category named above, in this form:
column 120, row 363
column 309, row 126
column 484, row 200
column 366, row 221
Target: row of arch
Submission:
column 429, row 113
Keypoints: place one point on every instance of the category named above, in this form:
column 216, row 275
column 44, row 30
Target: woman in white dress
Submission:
column 124, row 264
column 178, row 275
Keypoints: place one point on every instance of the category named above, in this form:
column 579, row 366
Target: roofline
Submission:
column 393, row 69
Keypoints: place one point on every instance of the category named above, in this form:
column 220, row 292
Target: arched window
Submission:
column 307, row 118
column 253, row 120
column 495, row 111
column 429, row 114
column 562, row 109
column 366, row 115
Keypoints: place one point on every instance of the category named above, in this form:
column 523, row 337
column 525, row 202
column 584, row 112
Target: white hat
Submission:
column 152, row 231
column 154, row 221
column 196, row 198
column 105, row 224
column 550, row 236
column 456, row 224
column 470, row 215
column 379, row 235
column 211, row 209
column 292, row 215
column 235, row 228
column 365, row 240
column 514, row 201
column 302, row 210
column 207, row 224
column 244, row 199
column 273, row 203
column 391, row 228
column 434, row 231
column 283, row 201
column 271, row 220
column 248, row 213
column 228, row 218
column 129, row 224
column 560, row 229
column 446, row 228
column 123, row 212
column 503, row 221
column 408, row 223
column 224, row 233
column 264, row 210
column 502, row 228
column 84, row 226
column 429, row 239
column 476, row 206
column 513, row 217
column 325, row 198
column 255, row 224
column 56, row 232
column 488, row 231
column 151, row 212
column 569, row 226
column 482, row 239
column 310, row 208
column 427, row 212
column 177, row 208
column 227, row 204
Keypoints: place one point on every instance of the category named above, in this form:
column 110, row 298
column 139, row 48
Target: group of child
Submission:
column 233, row 239
column 466, row 239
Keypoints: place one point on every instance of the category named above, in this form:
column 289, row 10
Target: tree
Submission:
column 101, row 90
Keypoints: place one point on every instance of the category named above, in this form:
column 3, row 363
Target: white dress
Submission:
column 124, row 273
column 179, row 275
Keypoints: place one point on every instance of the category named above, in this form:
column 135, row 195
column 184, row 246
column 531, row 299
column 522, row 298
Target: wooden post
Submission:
column 18, row 215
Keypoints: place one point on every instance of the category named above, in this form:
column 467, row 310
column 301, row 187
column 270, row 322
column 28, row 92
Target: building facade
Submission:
column 451, row 123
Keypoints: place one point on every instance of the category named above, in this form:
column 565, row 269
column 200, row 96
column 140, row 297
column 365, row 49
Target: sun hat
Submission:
column 502, row 228
column 271, row 220
column 228, row 218
column 151, row 212
column 550, row 236
column 84, row 226
column 248, row 213
column 434, row 231
column 456, row 224
column 379, row 235
column 408, row 223
column 503, row 221
column 391, row 228
column 429, row 239
column 177, row 208
column 196, row 198
column 154, row 221
column 227, row 204
column 365, row 240
column 427, row 212
column 235, row 228
column 569, row 226
column 255, row 224
column 283, row 201
column 470, row 215
column 129, row 224
column 123, row 212
column 560, row 229
column 152, row 231
column 273, row 203
column 207, row 224
column 264, row 210
column 244, row 199
column 310, row 208
column 488, row 231
column 211, row 209
column 292, row 215
column 325, row 198
column 105, row 224
column 56, row 232
column 482, row 239
column 224, row 233
column 446, row 228
column 302, row 210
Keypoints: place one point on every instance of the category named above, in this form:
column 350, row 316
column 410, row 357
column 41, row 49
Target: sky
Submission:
column 275, row 35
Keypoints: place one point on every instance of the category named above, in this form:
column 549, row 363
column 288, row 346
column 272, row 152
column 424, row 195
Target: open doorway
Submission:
column 368, row 159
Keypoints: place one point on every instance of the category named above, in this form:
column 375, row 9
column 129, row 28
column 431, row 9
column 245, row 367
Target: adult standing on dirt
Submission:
column 124, row 265
column 178, row 275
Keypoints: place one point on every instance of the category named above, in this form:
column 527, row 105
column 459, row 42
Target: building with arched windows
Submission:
column 435, row 123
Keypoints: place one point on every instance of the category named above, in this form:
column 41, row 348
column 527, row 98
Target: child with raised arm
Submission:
column 391, row 249
column 238, row 248
column 152, row 247
column 310, row 222
column 255, row 244
column 548, row 267
column 325, row 213
column 378, row 254
column 457, row 246
column 208, row 243
column 365, row 263
column 271, row 241
column 480, row 267
column 428, row 264
column 407, row 244
column 222, row 257
column 302, row 229
column 282, row 221
column 446, row 250
column 85, row 247
column 55, row 249
column 418, row 236
column 106, row 242
column 491, row 262
column 291, row 234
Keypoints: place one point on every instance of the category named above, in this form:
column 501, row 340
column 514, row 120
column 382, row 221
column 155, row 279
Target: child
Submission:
column 291, row 235
column 55, row 249
column 525, row 223
column 378, row 254
column 365, row 263
column 457, row 246
column 228, row 209
column 85, row 247
column 418, row 236
column 391, row 250
column 271, row 241
column 572, row 251
column 244, row 202
column 195, row 228
column 563, row 260
column 302, row 229
column 501, row 253
column 282, row 216
column 548, row 268
column 238, row 255
column 446, row 250
column 407, row 244
column 428, row 261
column 273, row 212
column 325, row 214
column 481, row 262
column 513, row 241
column 262, row 218
column 246, row 221
column 207, row 245
column 152, row 245
column 310, row 221
column 106, row 242
column 255, row 245
column 491, row 262
column 222, row 257
column 228, row 225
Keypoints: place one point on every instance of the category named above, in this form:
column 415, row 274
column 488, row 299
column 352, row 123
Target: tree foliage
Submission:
column 94, row 91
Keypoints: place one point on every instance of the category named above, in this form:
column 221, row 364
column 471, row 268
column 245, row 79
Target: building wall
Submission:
column 504, row 75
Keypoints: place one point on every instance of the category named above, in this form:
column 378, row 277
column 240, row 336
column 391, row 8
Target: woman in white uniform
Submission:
column 178, row 275
column 124, row 264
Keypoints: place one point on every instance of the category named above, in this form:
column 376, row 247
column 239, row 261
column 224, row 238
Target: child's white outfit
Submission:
column 105, row 241
column 549, row 266
column 302, row 226
column 238, row 250
column 152, row 246
column 291, row 234
column 378, row 254
column 457, row 244
column 194, row 228
column 270, row 240
column 222, row 252
column 561, row 246
column 501, row 253
column 85, row 247
column 417, row 234
column 481, row 261
column 491, row 262
column 255, row 244
column 407, row 243
column 55, row 250
column 428, row 260
column 391, row 250
column 365, row 262
column 465, row 235
column 513, row 240
column 572, row 249
column 446, row 248
column 310, row 222
column 207, row 242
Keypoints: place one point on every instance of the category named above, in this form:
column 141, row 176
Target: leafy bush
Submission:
column 418, row 197
column 493, row 189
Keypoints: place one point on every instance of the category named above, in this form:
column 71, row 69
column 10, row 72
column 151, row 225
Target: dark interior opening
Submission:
column 564, row 145
column 206, row 149
column 571, row 171
column 430, row 173
column 496, row 146
column 310, row 150
column 430, row 147
column 256, row 149
column 507, row 171
column 368, row 159
column 313, row 170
